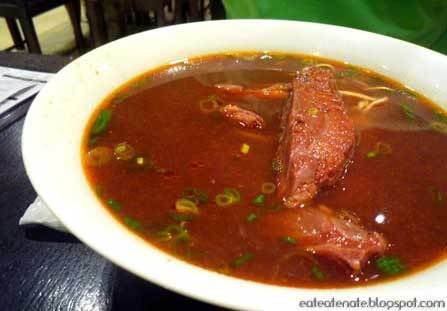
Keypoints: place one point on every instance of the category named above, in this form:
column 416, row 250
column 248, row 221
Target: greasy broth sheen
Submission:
column 400, row 195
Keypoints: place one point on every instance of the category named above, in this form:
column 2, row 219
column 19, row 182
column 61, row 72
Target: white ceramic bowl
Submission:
column 57, row 118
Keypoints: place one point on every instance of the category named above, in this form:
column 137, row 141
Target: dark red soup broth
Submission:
column 160, row 138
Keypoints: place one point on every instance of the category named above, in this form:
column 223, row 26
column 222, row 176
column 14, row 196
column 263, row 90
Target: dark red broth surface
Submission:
column 400, row 191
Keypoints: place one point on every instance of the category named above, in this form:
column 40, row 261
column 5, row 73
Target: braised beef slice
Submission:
column 242, row 117
column 317, row 137
column 315, row 146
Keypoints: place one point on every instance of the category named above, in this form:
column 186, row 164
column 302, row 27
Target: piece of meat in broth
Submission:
column 242, row 117
column 321, row 231
column 317, row 137
column 273, row 91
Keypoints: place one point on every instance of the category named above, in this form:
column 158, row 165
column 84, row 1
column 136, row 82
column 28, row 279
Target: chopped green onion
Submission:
column 390, row 265
column 180, row 217
column 101, row 122
column 348, row 73
column 180, row 234
column 440, row 116
column 268, row 187
column 223, row 199
column 195, row 195
column 132, row 223
column 372, row 154
column 251, row 217
column 114, row 204
column 313, row 111
column 245, row 148
column 230, row 196
column 439, row 127
column 407, row 92
column 259, row 200
column 99, row 156
column 163, row 236
column 124, row 151
column 186, row 206
column 317, row 273
column 209, row 104
column 288, row 239
column 241, row 260
column 276, row 166
column 408, row 111
column 234, row 193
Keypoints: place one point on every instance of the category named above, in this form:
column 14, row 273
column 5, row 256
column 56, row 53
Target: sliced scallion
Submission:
column 242, row 260
column 259, row 200
column 101, row 122
column 223, row 200
column 181, row 217
column 347, row 73
column 186, row 206
column 132, row 223
column 408, row 111
column 440, row 116
column 317, row 273
column 288, row 239
column 372, row 154
column 439, row 127
column 390, row 265
column 251, row 217
column 234, row 193
column 114, row 204
column 173, row 231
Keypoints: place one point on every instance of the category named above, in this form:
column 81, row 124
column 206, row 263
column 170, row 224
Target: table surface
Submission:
column 42, row 269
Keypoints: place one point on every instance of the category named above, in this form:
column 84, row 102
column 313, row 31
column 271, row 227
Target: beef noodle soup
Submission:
column 277, row 168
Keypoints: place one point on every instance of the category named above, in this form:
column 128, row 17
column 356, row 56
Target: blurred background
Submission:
column 72, row 27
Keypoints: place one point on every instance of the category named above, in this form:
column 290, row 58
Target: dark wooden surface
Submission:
column 41, row 269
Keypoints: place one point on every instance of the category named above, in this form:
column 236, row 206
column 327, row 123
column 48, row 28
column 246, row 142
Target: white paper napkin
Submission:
column 17, row 85
column 39, row 213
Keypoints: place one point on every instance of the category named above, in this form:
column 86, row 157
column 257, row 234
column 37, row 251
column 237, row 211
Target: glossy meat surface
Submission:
column 317, row 137
column 320, row 230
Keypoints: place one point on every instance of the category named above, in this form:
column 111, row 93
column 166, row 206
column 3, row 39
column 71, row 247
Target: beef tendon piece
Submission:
column 321, row 231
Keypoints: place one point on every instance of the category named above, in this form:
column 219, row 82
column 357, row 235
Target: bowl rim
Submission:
column 205, row 278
